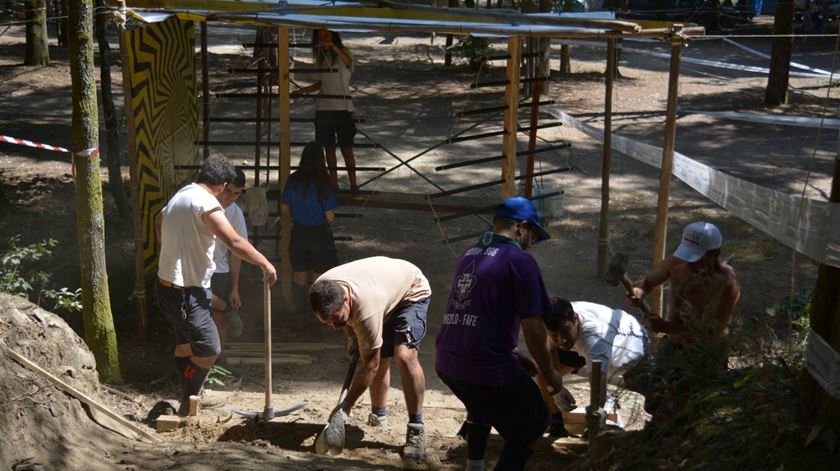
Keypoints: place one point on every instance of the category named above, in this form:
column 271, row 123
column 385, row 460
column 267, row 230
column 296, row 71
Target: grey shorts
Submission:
column 188, row 310
column 220, row 285
column 407, row 325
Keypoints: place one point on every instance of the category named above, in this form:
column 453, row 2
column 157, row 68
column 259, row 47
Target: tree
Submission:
column 777, row 84
column 825, row 321
column 37, row 50
column 115, row 182
column 90, row 221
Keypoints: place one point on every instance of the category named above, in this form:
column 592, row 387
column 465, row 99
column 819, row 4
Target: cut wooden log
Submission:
column 283, row 347
column 168, row 423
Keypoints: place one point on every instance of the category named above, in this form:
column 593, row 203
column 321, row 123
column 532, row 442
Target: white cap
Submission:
column 697, row 239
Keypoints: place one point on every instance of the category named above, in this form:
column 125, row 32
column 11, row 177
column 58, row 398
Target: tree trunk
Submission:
column 777, row 84
column 90, row 221
column 37, row 50
column 565, row 53
column 823, row 409
column 60, row 8
column 447, row 58
column 115, row 181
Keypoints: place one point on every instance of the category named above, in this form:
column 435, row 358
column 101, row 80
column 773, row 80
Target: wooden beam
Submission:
column 508, row 187
column 606, row 157
column 93, row 404
column 661, row 229
column 285, row 159
column 205, row 86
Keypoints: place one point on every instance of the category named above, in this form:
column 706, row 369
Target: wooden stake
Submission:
column 205, row 91
column 606, row 157
column 78, row 394
column 285, row 159
column 512, row 102
column 661, row 230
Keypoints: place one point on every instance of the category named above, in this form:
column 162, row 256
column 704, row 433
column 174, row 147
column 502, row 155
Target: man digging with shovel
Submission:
column 382, row 302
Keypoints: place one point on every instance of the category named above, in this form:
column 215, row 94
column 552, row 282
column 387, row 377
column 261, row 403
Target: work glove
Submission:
column 564, row 400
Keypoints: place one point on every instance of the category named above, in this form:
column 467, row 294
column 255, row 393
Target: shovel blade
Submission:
column 331, row 439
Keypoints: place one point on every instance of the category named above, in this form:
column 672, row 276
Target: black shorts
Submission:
column 571, row 359
column 406, row 325
column 312, row 248
column 330, row 124
column 515, row 409
column 188, row 310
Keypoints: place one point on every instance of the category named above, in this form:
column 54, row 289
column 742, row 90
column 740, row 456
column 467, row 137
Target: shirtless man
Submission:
column 703, row 296
column 704, row 291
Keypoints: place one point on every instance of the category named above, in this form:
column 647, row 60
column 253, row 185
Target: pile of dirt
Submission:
column 40, row 423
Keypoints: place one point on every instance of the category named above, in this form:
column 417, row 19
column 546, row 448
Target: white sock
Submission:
column 475, row 465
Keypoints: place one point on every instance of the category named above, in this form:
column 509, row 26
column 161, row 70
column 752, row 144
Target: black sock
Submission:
column 300, row 298
column 477, row 436
column 194, row 377
column 180, row 365
column 415, row 418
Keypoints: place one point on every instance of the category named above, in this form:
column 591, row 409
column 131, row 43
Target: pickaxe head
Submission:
column 616, row 269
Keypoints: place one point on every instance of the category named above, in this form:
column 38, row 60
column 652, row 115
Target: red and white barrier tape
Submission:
column 27, row 143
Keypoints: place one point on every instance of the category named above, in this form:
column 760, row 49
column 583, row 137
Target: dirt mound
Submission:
column 40, row 423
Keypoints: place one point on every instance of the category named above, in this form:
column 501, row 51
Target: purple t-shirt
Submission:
column 493, row 288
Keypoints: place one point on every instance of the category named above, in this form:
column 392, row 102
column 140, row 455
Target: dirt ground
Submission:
column 407, row 99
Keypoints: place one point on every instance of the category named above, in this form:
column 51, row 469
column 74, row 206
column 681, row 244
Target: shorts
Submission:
column 188, row 310
column 405, row 326
column 221, row 285
column 571, row 359
column 515, row 409
column 312, row 248
column 332, row 123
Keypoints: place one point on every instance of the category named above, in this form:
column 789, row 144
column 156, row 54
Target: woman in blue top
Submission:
column 310, row 200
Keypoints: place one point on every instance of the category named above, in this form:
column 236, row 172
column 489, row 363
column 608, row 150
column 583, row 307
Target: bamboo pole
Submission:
column 205, row 90
column 606, row 157
column 510, row 118
column 137, row 210
column 285, row 158
column 661, row 229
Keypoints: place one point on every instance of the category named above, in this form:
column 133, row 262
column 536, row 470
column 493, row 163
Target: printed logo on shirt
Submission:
column 463, row 287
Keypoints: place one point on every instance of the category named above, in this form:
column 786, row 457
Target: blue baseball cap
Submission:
column 521, row 209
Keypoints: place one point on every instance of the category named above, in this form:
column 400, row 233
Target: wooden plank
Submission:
column 274, row 361
column 77, row 394
column 508, row 188
column 168, row 423
column 285, row 347
column 606, row 158
column 575, row 444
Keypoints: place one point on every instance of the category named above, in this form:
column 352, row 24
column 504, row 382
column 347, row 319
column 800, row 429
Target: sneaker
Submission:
column 415, row 442
column 375, row 420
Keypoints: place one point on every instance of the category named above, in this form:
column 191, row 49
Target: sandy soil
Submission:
column 407, row 99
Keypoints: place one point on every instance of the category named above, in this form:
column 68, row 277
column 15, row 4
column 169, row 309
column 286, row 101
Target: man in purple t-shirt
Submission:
column 496, row 288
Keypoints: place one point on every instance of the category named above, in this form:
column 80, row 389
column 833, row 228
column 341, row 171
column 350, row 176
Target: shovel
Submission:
column 331, row 438
column 268, row 413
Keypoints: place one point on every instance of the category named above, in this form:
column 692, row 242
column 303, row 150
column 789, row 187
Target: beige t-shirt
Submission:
column 376, row 286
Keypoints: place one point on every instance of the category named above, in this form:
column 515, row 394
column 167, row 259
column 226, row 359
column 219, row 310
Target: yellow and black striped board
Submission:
column 164, row 108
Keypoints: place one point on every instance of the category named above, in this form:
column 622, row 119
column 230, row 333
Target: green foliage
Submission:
column 15, row 275
column 474, row 50
column 218, row 375
column 70, row 301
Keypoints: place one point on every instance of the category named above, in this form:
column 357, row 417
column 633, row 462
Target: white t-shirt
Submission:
column 335, row 83
column 186, row 243
column 610, row 335
column 221, row 256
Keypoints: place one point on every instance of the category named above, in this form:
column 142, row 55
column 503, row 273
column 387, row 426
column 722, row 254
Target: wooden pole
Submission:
column 268, row 411
column 205, row 91
column 93, row 404
column 510, row 117
column 606, row 157
column 137, row 210
column 661, row 230
column 285, row 158
column 258, row 149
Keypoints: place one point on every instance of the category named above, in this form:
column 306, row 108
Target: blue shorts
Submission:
column 188, row 310
column 406, row 326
